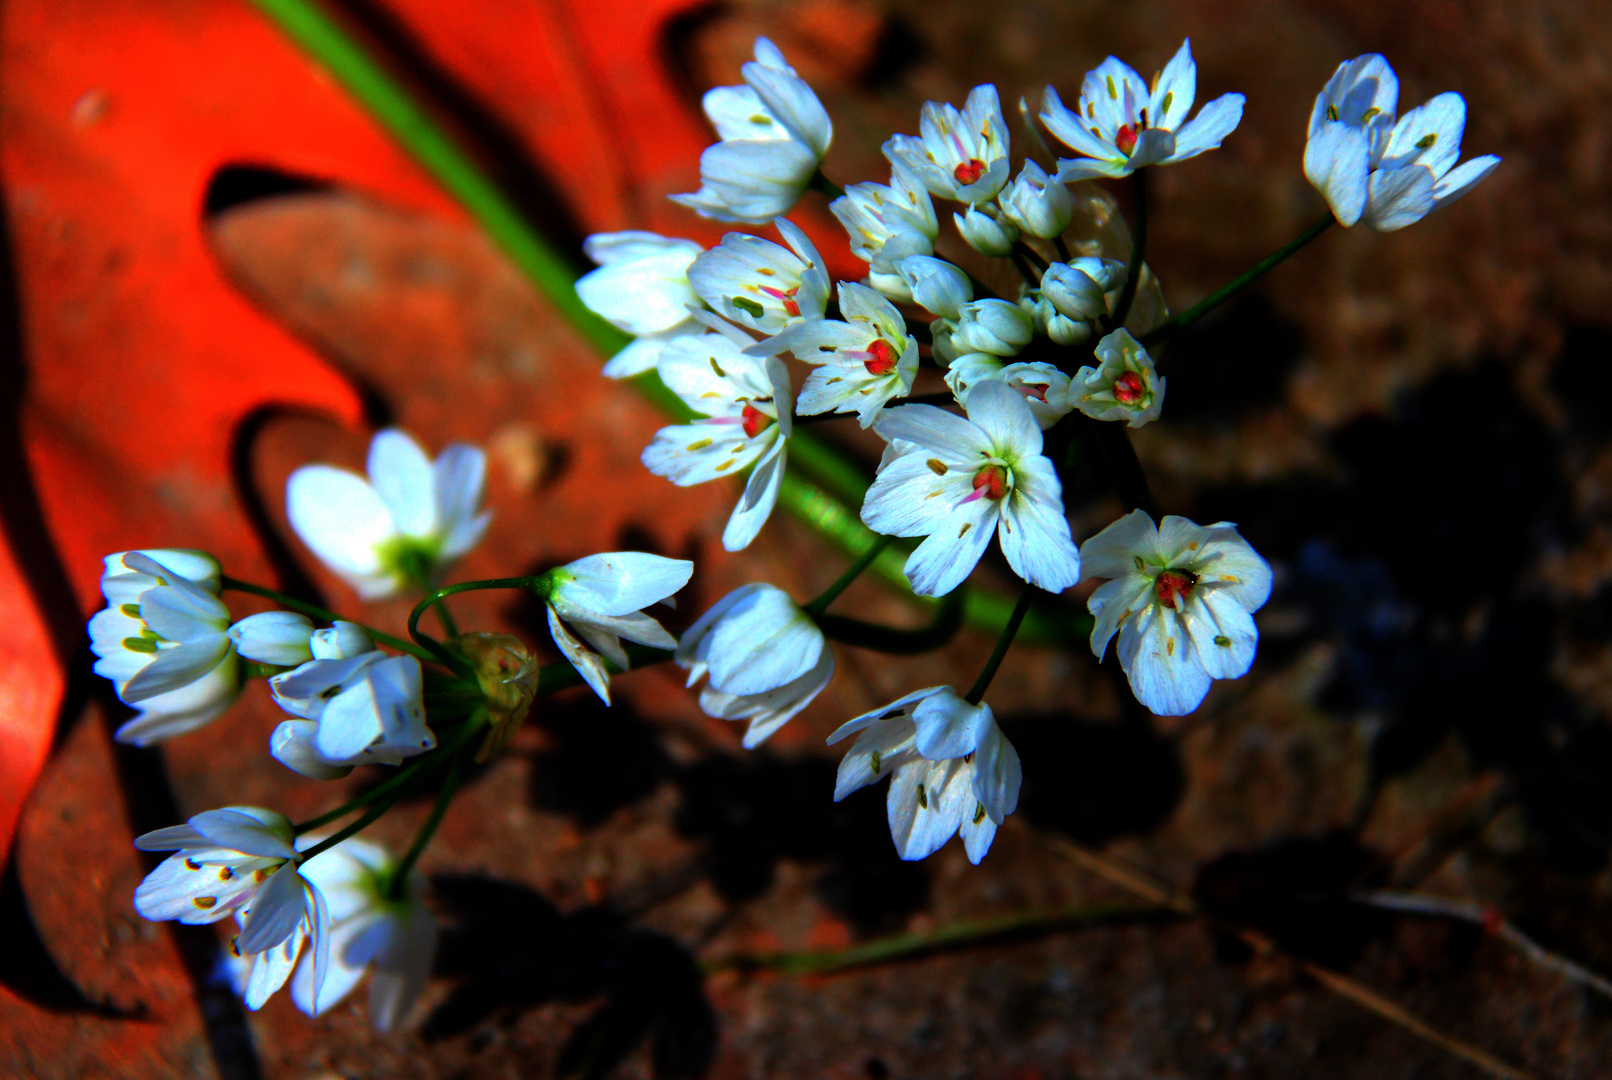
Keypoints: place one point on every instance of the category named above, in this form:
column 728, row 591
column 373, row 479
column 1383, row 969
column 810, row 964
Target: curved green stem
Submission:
column 832, row 593
column 404, row 780
column 400, row 872
column 434, row 599
column 313, row 611
column 1003, row 642
column 1133, row 273
column 948, row 619
column 1236, row 284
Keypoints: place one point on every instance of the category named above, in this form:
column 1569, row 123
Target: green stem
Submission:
column 445, row 617
column 375, row 814
column 400, row 873
column 1063, row 248
column 404, row 779
column 832, row 593
column 825, row 185
column 956, row 936
column 1236, row 284
column 1124, row 469
column 434, row 599
column 1133, row 273
column 1003, row 642
column 948, row 618
column 1030, row 255
column 313, row 611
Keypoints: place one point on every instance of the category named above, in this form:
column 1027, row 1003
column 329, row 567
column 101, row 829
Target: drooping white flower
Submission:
column 353, row 705
column 1182, row 598
column 1125, row 386
column 774, row 135
column 762, row 285
column 887, row 223
column 163, row 641
column 862, row 362
column 602, row 597
column 748, row 406
column 956, row 481
column 641, row 287
column 936, row 285
column 223, row 858
column 303, row 915
column 1121, row 125
column 402, row 526
column 987, row 231
column 368, row 928
column 764, row 656
column 952, row 770
column 1370, row 168
column 957, row 155
column 1036, row 203
column 992, row 326
column 280, row 638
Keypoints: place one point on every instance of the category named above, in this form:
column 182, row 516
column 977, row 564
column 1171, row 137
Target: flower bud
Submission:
column 936, row 285
column 507, row 674
column 941, row 346
column 969, row 369
column 993, row 326
column 1045, row 390
column 1036, row 203
column 1078, row 288
column 985, row 234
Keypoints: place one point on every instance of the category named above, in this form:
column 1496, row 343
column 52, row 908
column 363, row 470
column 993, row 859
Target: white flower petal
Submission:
column 274, row 637
column 1336, row 162
column 1163, row 667
column 340, row 517
column 177, row 667
column 621, row 582
column 1209, row 128
column 589, row 664
column 275, row 911
column 403, row 477
column 948, row 726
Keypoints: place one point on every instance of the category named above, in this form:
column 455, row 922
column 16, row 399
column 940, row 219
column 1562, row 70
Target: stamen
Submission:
column 923, row 797
column 204, row 902
column 791, row 308
column 875, row 763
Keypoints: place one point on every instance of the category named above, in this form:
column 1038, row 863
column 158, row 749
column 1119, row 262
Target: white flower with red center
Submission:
column 774, row 135
column 163, row 640
column 887, row 223
column 748, row 405
column 1182, row 598
column 951, row 769
column 641, row 287
column 1122, row 124
column 955, row 481
column 861, row 363
column 1372, row 169
column 961, row 155
column 764, row 657
column 372, row 926
column 601, row 597
column 1125, row 386
column 762, row 285
column 403, row 526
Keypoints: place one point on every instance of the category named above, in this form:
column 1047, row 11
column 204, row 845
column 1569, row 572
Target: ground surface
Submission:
column 1412, row 428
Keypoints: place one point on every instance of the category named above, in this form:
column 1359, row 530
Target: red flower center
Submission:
column 991, row 481
column 969, row 171
column 1128, row 388
column 882, row 358
column 1125, row 139
column 1034, row 390
column 1174, row 584
column 755, row 421
column 787, row 296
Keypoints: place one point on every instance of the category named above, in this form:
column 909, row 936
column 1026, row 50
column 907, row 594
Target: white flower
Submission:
column 986, row 233
column 935, row 285
column 1126, row 386
column 403, row 526
column 861, row 363
column 223, row 858
column 280, row 638
column 162, row 640
column 1181, row 597
column 1044, row 388
column 955, row 481
column 962, row 372
column 602, row 597
column 1036, row 203
column 887, row 223
column 774, row 135
column 1121, row 126
column 952, row 770
column 747, row 401
column 958, row 155
column 765, row 658
column 368, row 928
column 1370, row 168
column 760, row 285
column 354, row 706
column 641, row 287
column 992, row 326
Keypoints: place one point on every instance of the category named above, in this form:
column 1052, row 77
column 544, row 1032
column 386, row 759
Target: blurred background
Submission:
column 217, row 268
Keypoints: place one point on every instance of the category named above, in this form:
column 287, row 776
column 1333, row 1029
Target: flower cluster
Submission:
column 1035, row 375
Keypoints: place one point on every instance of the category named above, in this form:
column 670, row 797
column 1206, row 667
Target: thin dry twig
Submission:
column 1493, row 923
column 1141, row 884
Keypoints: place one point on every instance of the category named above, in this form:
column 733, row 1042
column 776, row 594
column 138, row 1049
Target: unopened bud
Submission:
column 1037, row 203
column 985, row 234
column 507, row 674
column 935, row 284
